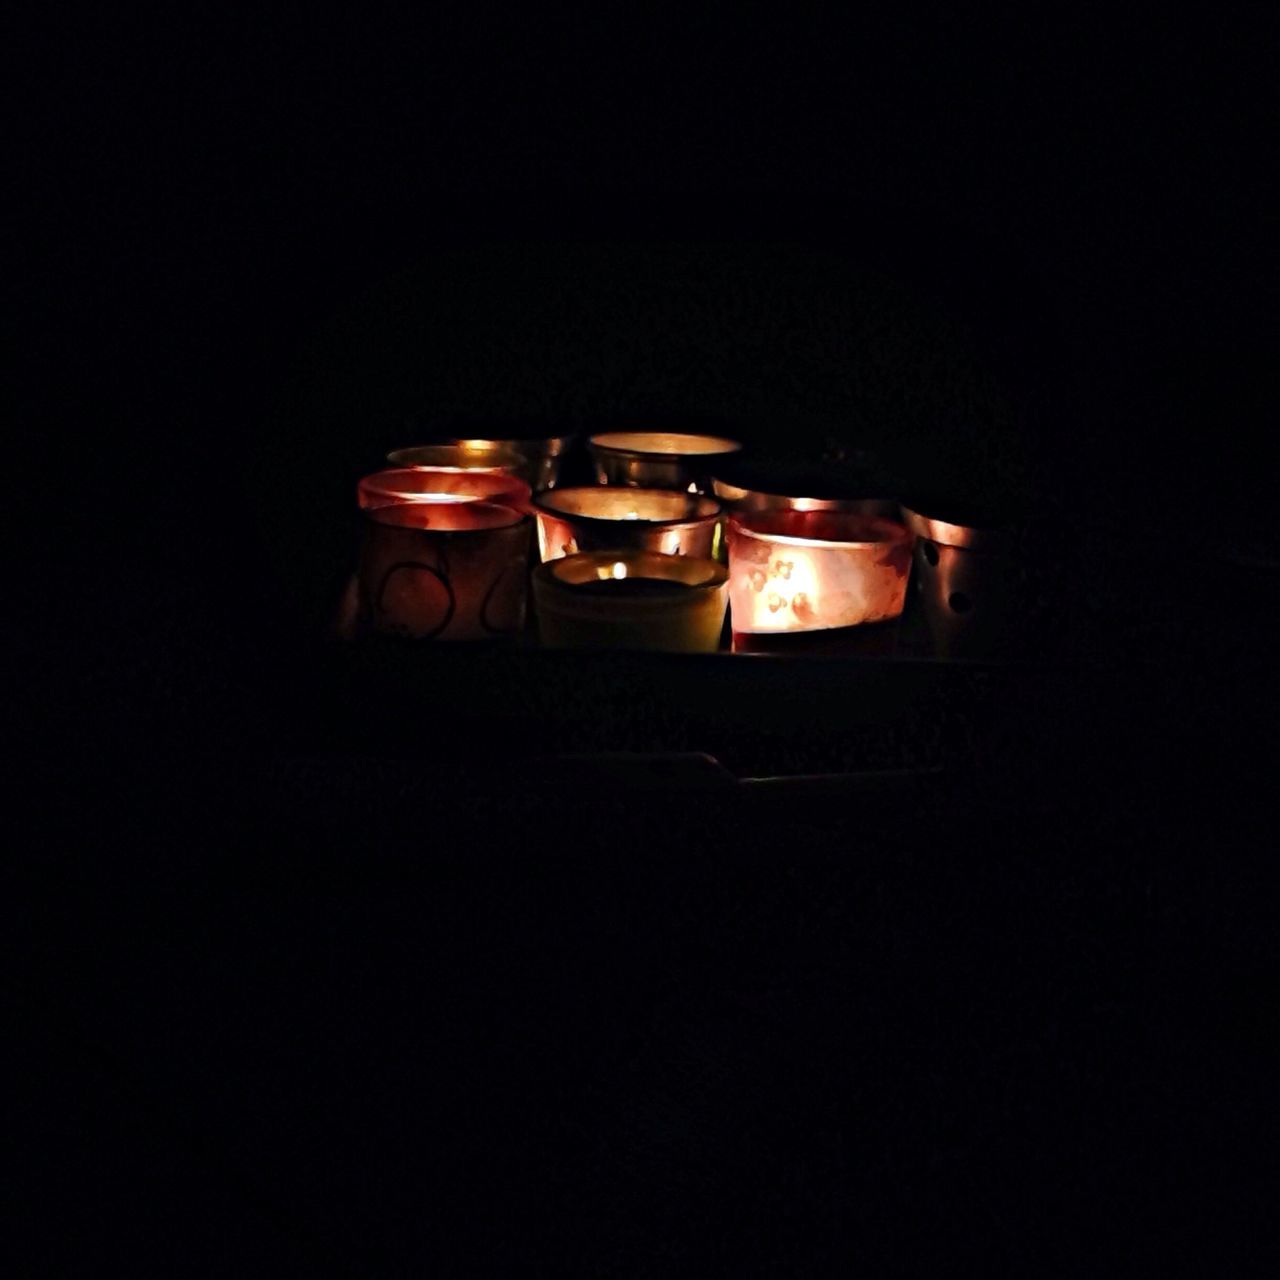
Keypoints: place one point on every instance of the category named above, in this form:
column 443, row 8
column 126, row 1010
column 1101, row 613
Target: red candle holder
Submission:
column 444, row 571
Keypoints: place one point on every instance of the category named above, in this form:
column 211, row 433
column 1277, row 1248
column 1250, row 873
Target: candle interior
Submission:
column 601, row 502
column 439, row 485
column 664, row 442
column 472, row 455
column 445, row 517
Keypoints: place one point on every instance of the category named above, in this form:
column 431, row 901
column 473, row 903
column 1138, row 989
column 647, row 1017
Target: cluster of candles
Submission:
column 648, row 557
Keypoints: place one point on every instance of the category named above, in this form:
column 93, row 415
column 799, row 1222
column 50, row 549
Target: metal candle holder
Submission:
column 535, row 459
column 594, row 518
column 964, row 574
column 658, row 459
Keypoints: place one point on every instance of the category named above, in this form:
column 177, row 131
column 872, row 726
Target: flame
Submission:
column 693, row 488
column 619, row 569
column 633, row 514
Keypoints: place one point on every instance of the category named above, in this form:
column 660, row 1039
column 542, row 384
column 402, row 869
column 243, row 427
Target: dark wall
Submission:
column 1021, row 257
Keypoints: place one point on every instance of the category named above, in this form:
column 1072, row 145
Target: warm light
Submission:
column 693, row 488
column 786, row 582
column 619, row 569
column 633, row 514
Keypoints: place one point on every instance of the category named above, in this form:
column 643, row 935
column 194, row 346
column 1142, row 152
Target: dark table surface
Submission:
column 353, row 982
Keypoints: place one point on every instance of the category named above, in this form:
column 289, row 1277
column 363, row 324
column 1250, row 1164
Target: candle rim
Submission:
column 376, row 515
column 544, row 502
column 505, row 457
column 600, row 441
column 902, row 535
column 714, row 574
column 379, row 483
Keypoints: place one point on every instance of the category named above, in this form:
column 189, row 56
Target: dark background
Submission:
column 295, row 1002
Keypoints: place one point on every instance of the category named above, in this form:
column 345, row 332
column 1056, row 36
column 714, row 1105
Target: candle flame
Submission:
column 619, row 569
column 693, row 488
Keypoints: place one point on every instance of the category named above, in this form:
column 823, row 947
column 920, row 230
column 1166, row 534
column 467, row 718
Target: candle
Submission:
column 591, row 518
column 533, row 457
column 744, row 489
column 474, row 455
column 658, row 459
column 634, row 588
column 631, row 599
column 964, row 574
column 440, row 484
column 792, row 571
column 444, row 571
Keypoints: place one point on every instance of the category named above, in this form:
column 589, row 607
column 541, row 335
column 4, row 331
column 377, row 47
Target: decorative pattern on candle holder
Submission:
column 965, row 571
column 448, row 571
column 819, row 570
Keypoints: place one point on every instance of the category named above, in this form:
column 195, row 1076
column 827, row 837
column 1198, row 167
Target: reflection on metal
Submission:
column 596, row 518
column 658, row 459
column 964, row 576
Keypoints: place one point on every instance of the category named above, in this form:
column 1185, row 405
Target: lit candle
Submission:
column 468, row 455
column 792, row 571
column 532, row 456
column 444, row 571
column 658, row 459
column 631, row 600
column 591, row 518
column 440, row 484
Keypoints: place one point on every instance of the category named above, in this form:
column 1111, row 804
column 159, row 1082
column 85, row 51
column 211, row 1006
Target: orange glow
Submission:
column 783, row 582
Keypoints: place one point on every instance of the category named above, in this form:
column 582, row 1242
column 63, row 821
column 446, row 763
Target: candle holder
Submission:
column 444, row 571
column 629, row 599
column 489, row 456
column 658, row 459
column 593, row 518
column 754, row 489
column 427, row 485
column 965, row 571
column 535, row 459
column 801, row 571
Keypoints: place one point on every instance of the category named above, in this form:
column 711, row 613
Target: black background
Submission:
column 344, row 1017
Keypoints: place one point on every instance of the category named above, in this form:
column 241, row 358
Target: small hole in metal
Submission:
column 959, row 602
column 930, row 553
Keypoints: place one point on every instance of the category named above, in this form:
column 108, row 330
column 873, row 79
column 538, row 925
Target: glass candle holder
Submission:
column 796, row 571
column 476, row 455
column 535, row 459
column 658, row 459
column 630, row 599
column 444, row 571
column 741, row 490
column 593, row 518
column 440, row 484
column 965, row 571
